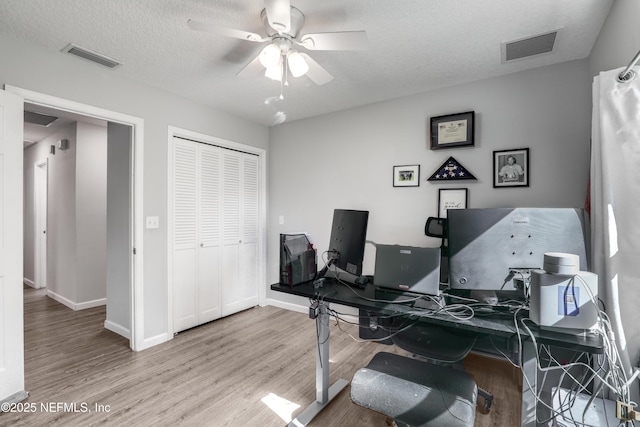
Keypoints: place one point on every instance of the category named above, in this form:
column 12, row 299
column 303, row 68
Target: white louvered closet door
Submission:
column 185, row 230
column 215, row 256
column 240, row 230
column 209, row 234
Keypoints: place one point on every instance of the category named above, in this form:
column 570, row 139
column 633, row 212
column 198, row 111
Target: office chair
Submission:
column 435, row 392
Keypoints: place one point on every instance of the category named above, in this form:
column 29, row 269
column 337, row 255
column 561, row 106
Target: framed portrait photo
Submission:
column 453, row 130
column 451, row 198
column 406, row 176
column 511, row 168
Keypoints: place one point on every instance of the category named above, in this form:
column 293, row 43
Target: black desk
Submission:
column 500, row 329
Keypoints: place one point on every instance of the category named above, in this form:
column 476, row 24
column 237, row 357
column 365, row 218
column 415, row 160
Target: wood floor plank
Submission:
column 214, row 375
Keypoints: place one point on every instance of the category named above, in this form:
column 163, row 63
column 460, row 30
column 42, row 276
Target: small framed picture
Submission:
column 453, row 130
column 511, row 168
column 451, row 198
column 406, row 176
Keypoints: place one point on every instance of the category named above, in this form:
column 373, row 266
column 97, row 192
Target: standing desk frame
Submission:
column 497, row 328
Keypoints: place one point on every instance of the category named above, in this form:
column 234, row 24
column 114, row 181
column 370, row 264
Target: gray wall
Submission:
column 61, row 219
column 81, row 81
column 345, row 160
column 32, row 154
column 619, row 39
column 76, row 240
column 118, row 228
column 91, row 213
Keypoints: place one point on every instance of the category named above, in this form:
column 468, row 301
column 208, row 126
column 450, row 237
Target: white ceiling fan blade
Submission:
column 316, row 73
column 252, row 69
column 344, row 40
column 224, row 31
column 279, row 14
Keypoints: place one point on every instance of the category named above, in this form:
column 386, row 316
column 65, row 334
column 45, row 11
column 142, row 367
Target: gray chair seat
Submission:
column 416, row 393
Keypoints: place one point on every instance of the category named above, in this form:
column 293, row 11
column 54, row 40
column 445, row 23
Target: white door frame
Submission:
column 262, row 237
column 136, row 309
column 11, row 255
column 40, row 194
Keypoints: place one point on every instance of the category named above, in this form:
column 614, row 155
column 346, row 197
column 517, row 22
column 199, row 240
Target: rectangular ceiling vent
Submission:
column 38, row 119
column 92, row 56
column 529, row 46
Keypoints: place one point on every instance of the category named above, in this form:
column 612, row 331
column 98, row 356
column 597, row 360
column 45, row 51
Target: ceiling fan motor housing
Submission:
column 297, row 21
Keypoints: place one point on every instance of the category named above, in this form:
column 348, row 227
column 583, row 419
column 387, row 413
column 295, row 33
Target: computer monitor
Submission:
column 495, row 248
column 347, row 241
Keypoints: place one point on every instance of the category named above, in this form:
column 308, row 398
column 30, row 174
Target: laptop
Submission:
column 408, row 268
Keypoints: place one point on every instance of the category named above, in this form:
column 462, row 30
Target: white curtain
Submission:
column 615, row 207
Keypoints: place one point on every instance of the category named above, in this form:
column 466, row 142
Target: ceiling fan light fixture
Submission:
column 274, row 72
column 297, row 64
column 270, row 56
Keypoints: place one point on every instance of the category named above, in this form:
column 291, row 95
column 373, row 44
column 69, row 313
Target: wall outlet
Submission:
column 153, row 222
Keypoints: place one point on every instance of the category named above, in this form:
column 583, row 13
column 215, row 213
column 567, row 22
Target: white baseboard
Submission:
column 74, row 305
column 29, row 282
column 288, row 306
column 91, row 304
column 350, row 317
column 118, row 329
column 150, row 342
column 61, row 299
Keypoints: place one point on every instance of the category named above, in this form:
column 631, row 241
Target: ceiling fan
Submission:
column 280, row 57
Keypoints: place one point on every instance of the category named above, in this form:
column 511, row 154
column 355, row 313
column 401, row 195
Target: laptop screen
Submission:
column 408, row 268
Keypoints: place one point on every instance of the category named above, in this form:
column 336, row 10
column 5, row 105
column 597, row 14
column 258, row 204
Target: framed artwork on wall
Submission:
column 451, row 198
column 452, row 131
column 406, row 176
column 511, row 168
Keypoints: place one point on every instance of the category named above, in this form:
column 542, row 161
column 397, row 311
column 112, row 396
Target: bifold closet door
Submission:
column 185, row 230
column 240, row 203
column 215, row 232
column 209, row 245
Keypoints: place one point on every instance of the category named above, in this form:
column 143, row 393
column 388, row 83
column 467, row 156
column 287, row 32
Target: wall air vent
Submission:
column 529, row 46
column 39, row 119
column 92, row 56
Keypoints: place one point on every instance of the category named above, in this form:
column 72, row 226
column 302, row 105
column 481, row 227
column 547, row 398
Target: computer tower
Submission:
column 298, row 261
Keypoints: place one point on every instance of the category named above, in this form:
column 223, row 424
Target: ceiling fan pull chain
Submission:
column 281, row 96
column 285, row 60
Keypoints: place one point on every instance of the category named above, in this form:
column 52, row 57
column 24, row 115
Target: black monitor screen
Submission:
column 348, row 238
column 491, row 249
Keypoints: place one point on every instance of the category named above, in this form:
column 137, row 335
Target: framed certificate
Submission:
column 453, row 130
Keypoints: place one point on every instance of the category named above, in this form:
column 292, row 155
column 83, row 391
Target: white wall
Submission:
column 72, row 78
column 345, row 160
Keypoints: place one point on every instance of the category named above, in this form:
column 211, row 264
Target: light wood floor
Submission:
column 214, row 375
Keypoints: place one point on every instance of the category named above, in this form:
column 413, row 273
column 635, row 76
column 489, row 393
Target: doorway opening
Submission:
column 130, row 322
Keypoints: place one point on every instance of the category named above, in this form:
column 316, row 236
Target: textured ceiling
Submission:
column 415, row 45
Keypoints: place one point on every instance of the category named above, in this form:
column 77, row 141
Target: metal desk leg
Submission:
column 324, row 392
column 530, row 369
